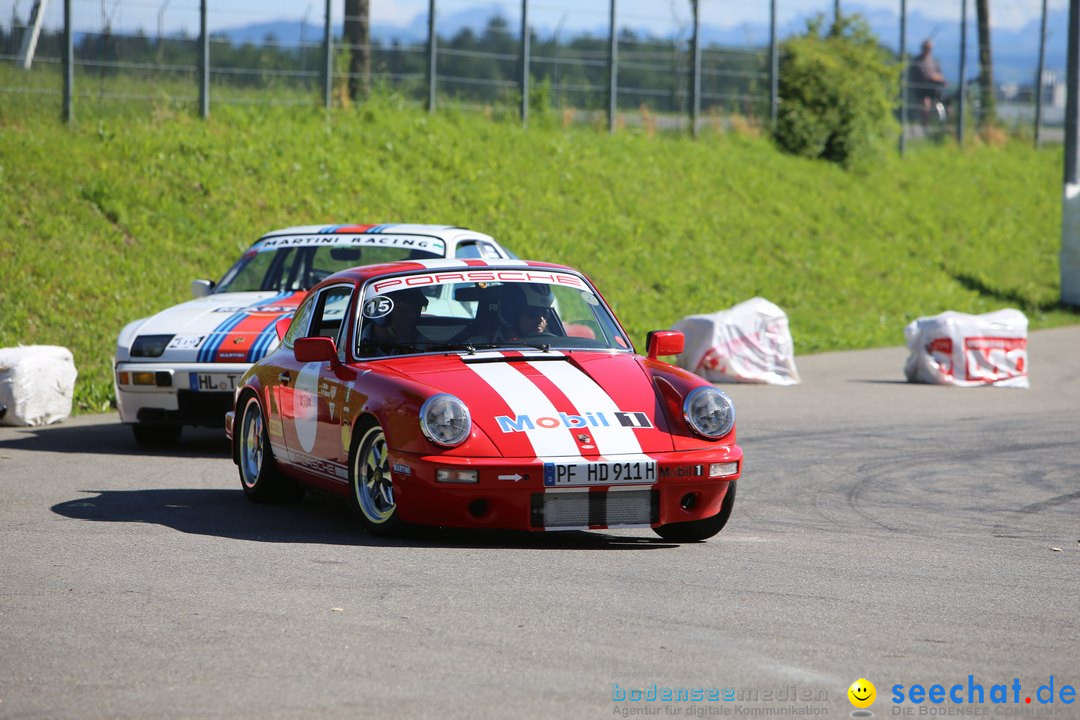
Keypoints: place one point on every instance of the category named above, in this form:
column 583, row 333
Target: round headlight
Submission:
column 445, row 420
column 709, row 412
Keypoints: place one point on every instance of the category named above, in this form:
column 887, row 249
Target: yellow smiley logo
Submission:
column 862, row 693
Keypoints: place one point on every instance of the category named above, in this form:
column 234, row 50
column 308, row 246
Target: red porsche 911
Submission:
column 483, row 394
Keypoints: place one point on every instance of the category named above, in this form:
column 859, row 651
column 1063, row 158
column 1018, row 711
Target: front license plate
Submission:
column 599, row 473
column 214, row 382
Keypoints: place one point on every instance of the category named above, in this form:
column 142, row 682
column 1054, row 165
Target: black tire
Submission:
column 700, row 529
column 260, row 476
column 372, row 486
column 156, row 435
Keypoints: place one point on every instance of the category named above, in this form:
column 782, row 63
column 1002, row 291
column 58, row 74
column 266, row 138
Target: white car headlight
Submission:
column 445, row 420
column 709, row 412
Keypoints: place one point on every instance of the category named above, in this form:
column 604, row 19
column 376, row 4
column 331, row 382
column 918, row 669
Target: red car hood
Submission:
column 554, row 404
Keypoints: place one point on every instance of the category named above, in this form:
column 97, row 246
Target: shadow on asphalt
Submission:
column 317, row 519
column 116, row 439
column 870, row 381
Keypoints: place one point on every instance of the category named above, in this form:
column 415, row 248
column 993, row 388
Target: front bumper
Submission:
column 176, row 394
column 512, row 495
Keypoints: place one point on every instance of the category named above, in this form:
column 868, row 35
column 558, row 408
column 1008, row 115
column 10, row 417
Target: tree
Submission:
column 358, row 38
column 987, row 103
column 837, row 92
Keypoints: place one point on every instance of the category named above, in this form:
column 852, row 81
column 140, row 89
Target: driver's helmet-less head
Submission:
column 521, row 295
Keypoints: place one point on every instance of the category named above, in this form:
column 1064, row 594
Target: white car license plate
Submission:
column 214, row 382
column 599, row 473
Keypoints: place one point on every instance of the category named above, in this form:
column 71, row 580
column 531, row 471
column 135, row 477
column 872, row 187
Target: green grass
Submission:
column 110, row 220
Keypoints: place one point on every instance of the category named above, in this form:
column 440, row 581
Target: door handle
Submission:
column 284, row 378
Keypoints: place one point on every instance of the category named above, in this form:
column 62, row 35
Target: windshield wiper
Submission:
column 473, row 347
column 390, row 349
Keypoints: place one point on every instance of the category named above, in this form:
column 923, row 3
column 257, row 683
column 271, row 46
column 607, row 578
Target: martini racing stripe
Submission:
column 346, row 229
column 248, row 331
column 213, row 342
column 263, row 342
column 524, row 398
column 237, row 344
column 209, row 351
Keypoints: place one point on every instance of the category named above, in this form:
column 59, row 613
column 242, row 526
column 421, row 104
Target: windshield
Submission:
column 483, row 310
column 289, row 264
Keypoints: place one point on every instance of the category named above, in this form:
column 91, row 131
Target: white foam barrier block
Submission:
column 37, row 383
column 747, row 343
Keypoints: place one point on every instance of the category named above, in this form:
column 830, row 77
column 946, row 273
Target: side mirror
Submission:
column 282, row 325
column 315, row 349
column 202, row 288
column 664, row 342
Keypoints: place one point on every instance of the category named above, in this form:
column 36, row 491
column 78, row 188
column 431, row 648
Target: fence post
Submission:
column 69, row 65
column 328, row 59
column 1070, row 216
column 695, row 81
column 524, row 62
column 1072, row 99
column 903, row 77
column 774, row 66
column 204, row 63
column 613, row 70
column 433, row 58
column 963, row 73
column 1039, row 76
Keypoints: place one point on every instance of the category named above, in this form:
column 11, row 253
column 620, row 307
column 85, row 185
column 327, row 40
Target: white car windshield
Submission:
column 482, row 310
column 294, row 264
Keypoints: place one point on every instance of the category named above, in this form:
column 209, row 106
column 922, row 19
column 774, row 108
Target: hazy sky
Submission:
column 589, row 13
column 586, row 13
column 572, row 15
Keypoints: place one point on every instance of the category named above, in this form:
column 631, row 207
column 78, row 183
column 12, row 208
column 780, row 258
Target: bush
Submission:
column 837, row 94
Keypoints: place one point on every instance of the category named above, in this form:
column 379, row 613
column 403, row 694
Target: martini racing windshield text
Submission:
column 419, row 243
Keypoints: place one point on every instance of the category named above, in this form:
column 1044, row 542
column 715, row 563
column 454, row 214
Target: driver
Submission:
column 524, row 311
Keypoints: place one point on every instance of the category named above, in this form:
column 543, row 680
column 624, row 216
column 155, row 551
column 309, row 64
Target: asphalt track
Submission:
column 906, row 534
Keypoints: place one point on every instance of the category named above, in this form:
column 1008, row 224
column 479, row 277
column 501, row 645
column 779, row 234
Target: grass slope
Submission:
column 111, row 220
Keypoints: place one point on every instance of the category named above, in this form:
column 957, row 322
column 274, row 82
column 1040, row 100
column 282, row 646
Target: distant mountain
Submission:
column 1015, row 51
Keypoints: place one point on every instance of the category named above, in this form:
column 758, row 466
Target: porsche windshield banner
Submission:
column 478, row 276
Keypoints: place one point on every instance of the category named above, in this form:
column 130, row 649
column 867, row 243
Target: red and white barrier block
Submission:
column 968, row 350
column 747, row 343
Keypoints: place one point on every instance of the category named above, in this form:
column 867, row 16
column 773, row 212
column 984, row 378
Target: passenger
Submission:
column 396, row 331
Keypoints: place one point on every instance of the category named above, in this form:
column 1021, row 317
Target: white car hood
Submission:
column 220, row 328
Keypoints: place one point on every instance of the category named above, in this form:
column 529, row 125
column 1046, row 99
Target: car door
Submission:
column 281, row 370
column 312, row 396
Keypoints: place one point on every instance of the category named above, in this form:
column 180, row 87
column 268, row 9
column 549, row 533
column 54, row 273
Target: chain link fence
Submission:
column 669, row 65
